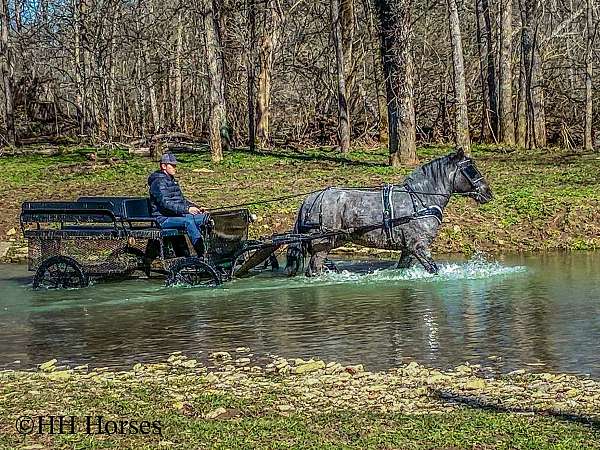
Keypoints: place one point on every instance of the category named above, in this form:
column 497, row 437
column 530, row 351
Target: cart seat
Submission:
column 124, row 207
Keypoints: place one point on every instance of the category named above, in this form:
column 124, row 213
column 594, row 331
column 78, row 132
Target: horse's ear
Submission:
column 460, row 153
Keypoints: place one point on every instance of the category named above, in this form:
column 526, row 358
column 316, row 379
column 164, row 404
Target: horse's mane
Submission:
column 435, row 170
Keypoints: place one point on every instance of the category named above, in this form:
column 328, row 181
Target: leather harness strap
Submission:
column 388, row 212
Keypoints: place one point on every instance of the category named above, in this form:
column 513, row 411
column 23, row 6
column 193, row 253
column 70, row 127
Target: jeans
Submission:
column 191, row 223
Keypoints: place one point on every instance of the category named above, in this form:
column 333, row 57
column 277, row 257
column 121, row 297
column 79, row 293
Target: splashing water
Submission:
column 478, row 267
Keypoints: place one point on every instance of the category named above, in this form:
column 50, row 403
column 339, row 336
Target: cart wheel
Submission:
column 60, row 272
column 131, row 259
column 193, row 272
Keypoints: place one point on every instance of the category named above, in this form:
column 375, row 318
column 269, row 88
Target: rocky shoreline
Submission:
column 317, row 386
column 237, row 400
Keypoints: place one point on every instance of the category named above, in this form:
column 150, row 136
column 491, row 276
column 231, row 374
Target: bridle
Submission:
column 473, row 176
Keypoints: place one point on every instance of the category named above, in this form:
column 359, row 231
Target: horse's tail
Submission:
column 296, row 252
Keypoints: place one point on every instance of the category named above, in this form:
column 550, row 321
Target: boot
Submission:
column 199, row 247
column 209, row 225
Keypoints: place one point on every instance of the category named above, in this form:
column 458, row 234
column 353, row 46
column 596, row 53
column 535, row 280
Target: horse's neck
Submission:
column 433, row 191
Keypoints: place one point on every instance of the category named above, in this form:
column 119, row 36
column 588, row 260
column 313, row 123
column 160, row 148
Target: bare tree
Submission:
column 178, row 107
column 507, row 125
column 590, row 34
column 343, row 110
column 460, row 90
column 116, row 69
column 251, row 19
column 273, row 19
column 7, row 67
column 531, row 70
column 487, row 71
column 396, row 49
column 218, row 126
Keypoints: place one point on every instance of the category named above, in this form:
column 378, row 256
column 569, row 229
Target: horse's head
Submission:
column 468, row 180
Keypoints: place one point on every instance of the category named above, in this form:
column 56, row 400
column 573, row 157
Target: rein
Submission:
column 473, row 177
column 288, row 197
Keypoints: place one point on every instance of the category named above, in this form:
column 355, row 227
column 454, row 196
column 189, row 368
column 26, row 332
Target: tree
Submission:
column 460, row 90
column 396, row 50
column 178, row 106
column 487, row 71
column 273, row 19
column 340, row 56
column 507, row 125
column 251, row 24
column 218, row 125
column 7, row 67
column 535, row 124
column 590, row 34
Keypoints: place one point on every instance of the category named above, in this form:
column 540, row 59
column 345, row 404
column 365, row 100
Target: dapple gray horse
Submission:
column 402, row 217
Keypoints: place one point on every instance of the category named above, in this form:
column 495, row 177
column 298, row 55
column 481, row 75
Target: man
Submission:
column 171, row 208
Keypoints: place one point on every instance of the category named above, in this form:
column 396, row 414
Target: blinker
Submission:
column 471, row 173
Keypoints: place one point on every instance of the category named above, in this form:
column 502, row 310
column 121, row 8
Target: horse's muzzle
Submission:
column 483, row 196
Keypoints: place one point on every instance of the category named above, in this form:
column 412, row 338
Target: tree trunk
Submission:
column 268, row 42
column 7, row 68
column 18, row 21
column 507, row 125
column 112, row 94
column 396, row 50
column 534, row 94
column 521, row 125
column 219, row 128
column 151, row 91
column 251, row 23
column 347, row 19
column 79, row 10
column 587, row 134
column 150, row 83
column 376, row 56
column 343, row 112
column 490, row 103
column 178, row 75
column 460, row 90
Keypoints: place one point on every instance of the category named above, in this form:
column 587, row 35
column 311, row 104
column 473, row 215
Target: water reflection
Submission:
column 542, row 311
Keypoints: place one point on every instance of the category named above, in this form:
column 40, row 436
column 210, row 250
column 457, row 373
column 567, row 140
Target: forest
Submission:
column 299, row 73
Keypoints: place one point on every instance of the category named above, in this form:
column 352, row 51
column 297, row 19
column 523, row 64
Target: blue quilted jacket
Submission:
column 166, row 196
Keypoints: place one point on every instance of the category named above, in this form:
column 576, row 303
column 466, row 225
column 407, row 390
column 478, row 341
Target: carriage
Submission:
column 93, row 238
column 73, row 243
column 99, row 237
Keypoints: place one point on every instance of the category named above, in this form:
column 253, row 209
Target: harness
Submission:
column 389, row 221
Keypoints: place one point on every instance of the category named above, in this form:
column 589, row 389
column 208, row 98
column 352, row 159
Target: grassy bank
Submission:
column 544, row 199
column 299, row 404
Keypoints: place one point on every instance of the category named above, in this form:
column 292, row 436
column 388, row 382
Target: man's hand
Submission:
column 193, row 210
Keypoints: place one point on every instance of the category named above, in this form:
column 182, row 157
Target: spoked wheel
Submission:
column 60, row 272
column 130, row 259
column 193, row 272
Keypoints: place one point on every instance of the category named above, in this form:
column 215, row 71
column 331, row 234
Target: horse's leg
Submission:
column 423, row 255
column 330, row 265
column 406, row 260
column 318, row 252
column 295, row 258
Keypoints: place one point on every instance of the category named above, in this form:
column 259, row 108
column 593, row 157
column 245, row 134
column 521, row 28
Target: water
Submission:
column 537, row 312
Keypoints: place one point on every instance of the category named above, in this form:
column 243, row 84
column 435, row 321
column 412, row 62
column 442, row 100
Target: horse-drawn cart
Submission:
column 71, row 243
column 96, row 237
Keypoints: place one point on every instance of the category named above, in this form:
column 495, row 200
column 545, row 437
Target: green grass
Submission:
column 544, row 199
column 252, row 423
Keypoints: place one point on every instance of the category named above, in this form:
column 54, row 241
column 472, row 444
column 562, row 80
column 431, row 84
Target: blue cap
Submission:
column 168, row 158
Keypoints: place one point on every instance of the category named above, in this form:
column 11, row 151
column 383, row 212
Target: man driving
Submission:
column 169, row 205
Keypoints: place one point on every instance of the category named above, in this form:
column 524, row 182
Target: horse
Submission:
column 404, row 217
